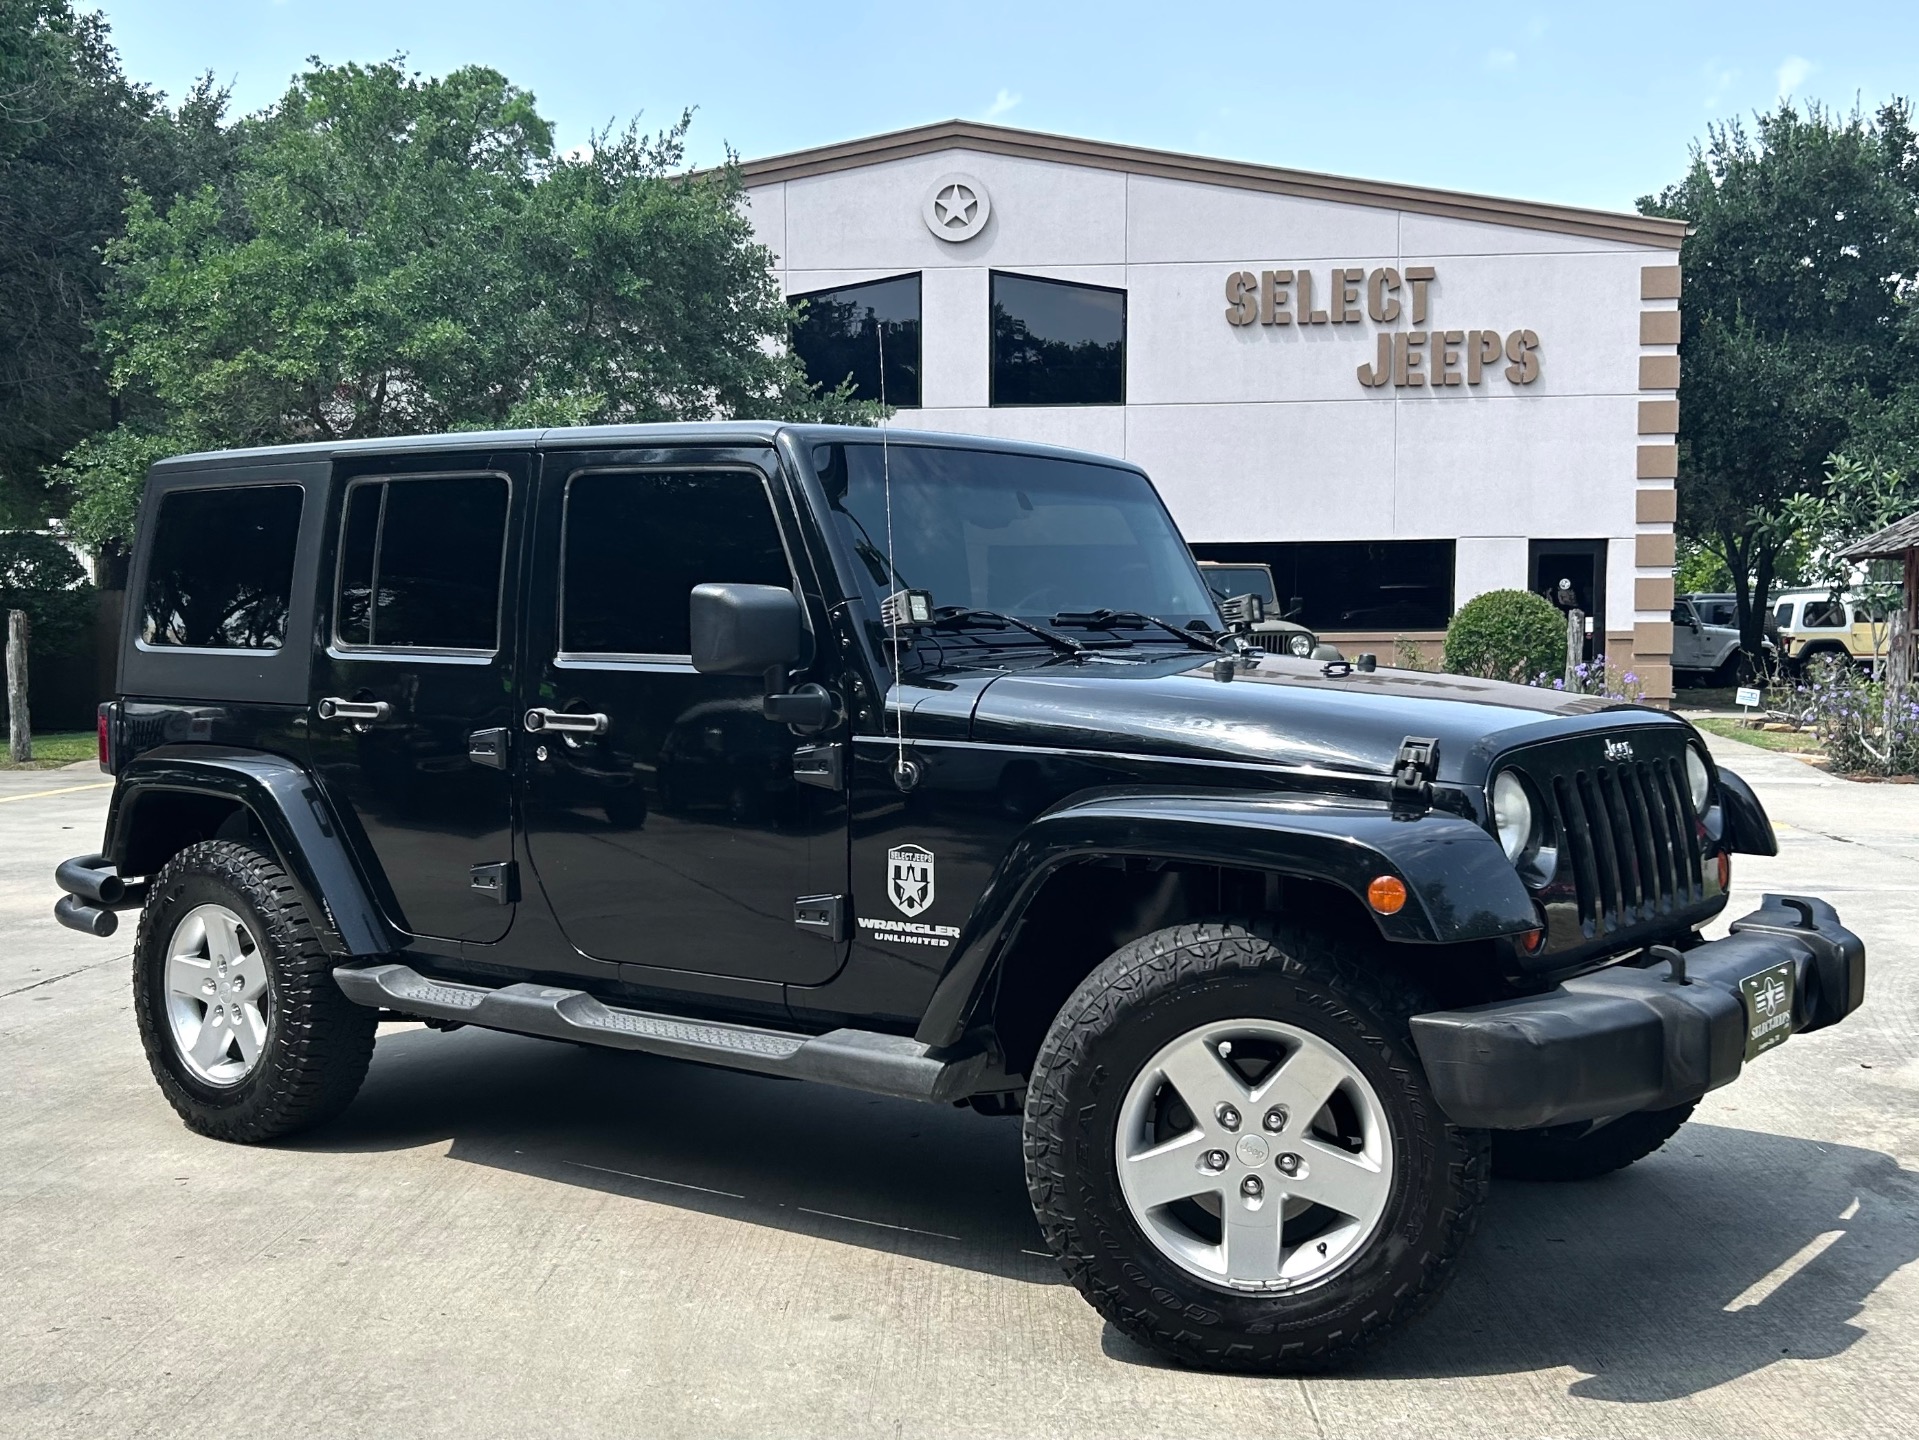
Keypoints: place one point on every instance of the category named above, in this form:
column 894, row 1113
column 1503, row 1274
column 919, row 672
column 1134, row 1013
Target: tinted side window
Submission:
column 637, row 542
column 1824, row 615
column 420, row 563
column 1782, row 613
column 220, row 568
column 1057, row 344
column 843, row 332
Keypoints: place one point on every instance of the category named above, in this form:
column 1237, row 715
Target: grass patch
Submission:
column 1798, row 742
column 54, row 749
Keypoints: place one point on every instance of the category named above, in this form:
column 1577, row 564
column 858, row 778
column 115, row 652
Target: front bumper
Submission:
column 1631, row 1037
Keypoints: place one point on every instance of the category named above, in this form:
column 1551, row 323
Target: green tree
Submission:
column 399, row 254
column 73, row 129
column 1798, row 320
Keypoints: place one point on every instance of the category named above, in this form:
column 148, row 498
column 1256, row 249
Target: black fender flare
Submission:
column 291, row 811
column 1748, row 827
column 1440, row 856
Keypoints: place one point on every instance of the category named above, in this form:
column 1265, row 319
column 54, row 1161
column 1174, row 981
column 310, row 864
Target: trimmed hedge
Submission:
column 1507, row 635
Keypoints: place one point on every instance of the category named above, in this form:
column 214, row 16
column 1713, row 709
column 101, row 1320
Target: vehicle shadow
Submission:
column 1727, row 1251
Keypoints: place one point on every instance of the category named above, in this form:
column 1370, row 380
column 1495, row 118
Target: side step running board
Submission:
column 858, row 1059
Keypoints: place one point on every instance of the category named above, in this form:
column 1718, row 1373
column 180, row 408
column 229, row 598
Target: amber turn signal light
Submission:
column 1725, row 871
column 1387, row 894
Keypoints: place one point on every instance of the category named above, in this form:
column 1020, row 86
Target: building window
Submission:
column 220, row 569
column 842, row 332
column 1384, row 586
column 1056, row 343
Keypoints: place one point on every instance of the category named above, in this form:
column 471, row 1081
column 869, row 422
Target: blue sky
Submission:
column 1588, row 104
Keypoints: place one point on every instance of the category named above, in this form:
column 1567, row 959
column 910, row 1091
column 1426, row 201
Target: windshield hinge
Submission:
column 1414, row 770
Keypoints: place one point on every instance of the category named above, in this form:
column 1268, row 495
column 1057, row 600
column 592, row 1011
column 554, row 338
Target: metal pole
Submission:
column 19, row 732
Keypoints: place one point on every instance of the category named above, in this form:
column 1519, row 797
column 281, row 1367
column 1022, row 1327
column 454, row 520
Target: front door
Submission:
column 412, row 697
column 663, row 816
column 1572, row 574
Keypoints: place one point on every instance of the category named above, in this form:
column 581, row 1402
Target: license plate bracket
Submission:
column 1770, row 999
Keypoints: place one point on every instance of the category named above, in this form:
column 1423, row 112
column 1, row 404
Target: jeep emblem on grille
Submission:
column 1619, row 749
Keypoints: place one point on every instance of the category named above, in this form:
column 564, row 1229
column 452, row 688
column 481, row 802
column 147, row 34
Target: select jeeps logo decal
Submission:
column 909, row 878
column 1619, row 750
column 910, row 886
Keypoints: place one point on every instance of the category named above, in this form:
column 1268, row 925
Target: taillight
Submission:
column 103, row 735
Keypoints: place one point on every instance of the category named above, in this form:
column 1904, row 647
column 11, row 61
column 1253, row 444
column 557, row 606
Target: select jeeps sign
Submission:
column 1408, row 358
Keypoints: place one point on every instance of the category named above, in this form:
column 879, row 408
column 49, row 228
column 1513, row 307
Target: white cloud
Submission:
column 1501, row 59
column 1793, row 71
column 1719, row 79
column 1002, row 102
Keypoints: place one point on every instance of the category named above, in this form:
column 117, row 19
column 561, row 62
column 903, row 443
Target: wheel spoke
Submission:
column 1252, row 1237
column 210, row 1045
column 1303, row 1083
column 1350, row 1184
column 1169, row 1172
column 223, row 938
column 187, row 975
column 1202, row 1078
column 250, row 1033
column 251, row 971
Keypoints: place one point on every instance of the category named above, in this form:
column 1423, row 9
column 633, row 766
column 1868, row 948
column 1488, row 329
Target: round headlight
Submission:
column 1697, row 780
column 1301, row 646
column 1512, row 815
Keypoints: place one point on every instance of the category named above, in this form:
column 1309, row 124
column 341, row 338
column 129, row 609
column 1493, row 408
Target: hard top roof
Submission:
column 606, row 437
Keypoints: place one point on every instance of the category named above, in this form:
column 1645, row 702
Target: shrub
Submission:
column 40, row 576
column 1507, row 635
column 1868, row 727
column 1598, row 676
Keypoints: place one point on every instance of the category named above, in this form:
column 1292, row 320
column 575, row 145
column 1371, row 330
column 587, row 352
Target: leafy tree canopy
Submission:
column 1799, row 321
column 73, row 129
column 397, row 254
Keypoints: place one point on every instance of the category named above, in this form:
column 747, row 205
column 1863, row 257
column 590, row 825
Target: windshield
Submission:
column 1230, row 580
column 1021, row 534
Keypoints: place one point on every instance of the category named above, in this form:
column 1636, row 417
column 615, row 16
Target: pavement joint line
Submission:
column 879, row 1224
column 652, row 1179
column 65, row 790
column 65, row 975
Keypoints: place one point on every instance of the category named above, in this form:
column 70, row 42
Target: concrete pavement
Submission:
column 504, row 1236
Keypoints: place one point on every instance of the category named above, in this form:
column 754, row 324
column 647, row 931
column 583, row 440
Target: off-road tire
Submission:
column 318, row 1043
column 1161, row 986
column 1579, row 1152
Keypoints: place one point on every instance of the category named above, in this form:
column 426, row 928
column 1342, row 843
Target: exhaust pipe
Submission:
column 74, row 913
column 92, row 878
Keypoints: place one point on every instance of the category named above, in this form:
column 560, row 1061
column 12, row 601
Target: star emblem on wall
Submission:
column 956, row 208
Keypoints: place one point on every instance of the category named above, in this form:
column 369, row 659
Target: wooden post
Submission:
column 19, row 732
column 1575, row 643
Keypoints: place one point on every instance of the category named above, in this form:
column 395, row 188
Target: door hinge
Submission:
column 1414, row 769
column 821, row 765
column 488, row 748
column 500, row 880
column 821, row 915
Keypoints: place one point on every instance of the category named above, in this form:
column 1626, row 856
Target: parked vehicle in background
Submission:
column 1812, row 623
column 1709, row 653
column 1231, row 579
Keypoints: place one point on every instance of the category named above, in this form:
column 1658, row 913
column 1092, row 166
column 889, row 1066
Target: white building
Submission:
column 1399, row 397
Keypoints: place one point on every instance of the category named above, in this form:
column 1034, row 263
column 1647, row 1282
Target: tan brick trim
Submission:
column 1658, row 417
column 1655, row 681
column 1652, row 592
column 1656, row 505
column 1655, row 548
column 1658, row 327
column 1658, row 462
column 1659, row 282
column 1653, row 638
column 1658, row 372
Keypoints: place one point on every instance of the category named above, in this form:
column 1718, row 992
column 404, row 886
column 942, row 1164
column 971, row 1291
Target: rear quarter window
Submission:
column 220, row 569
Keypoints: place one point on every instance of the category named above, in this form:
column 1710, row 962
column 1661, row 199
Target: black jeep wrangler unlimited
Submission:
column 928, row 766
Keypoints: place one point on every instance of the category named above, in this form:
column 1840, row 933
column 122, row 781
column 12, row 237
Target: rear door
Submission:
column 670, row 824
column 413, row 694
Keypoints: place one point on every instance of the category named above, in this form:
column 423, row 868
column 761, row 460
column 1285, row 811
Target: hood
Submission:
column 1280, row 711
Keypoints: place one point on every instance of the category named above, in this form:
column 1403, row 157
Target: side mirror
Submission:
column 756, row 630
column 743, row 629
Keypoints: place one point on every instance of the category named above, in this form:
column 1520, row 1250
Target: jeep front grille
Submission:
column 1629, row 837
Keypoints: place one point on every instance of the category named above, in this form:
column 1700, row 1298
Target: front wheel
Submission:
column 1233, row 1151
column 243, row 1025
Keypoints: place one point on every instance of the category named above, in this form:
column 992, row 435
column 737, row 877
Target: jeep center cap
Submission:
column 1252, row 1150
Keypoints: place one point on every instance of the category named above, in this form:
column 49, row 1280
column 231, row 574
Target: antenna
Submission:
column 905, row 775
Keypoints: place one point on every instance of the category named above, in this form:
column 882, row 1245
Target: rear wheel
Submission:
column 1233, row 1151
column 1586, row 1150
column 243, row 1026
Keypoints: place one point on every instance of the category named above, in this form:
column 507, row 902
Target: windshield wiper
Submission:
column 958, row 617
column 1138, row 619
